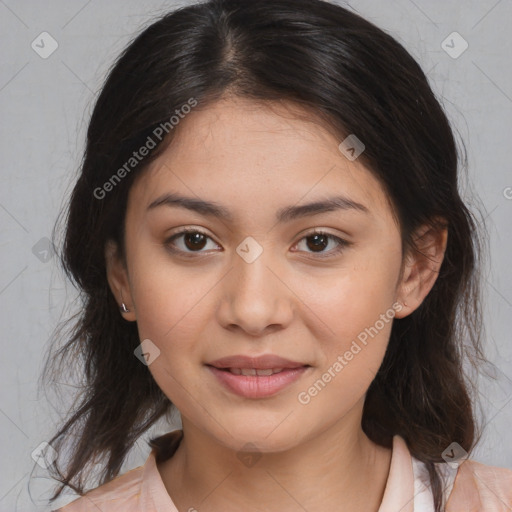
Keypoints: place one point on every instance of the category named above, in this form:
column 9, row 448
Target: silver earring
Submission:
column 123, row 308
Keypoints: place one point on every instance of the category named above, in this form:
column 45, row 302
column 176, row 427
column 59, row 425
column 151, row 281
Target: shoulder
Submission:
column 478, row 487
column 136, row 489
column 123, row 493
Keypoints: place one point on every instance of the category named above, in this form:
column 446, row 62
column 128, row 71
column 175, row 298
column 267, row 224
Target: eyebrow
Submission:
column 286, row 214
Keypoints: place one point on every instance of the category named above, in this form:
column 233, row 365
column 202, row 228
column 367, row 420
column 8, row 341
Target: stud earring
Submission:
column 123, row 308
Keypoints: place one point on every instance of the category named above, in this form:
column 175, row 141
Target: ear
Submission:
column 421, row 266
column 117, row 276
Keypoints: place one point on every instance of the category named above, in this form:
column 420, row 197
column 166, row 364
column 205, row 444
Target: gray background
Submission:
column 45, row 105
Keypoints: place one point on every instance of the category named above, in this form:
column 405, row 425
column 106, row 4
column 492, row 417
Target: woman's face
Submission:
column 258, row 281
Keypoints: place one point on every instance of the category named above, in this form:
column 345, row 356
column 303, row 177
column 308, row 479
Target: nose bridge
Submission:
column 256, row 297
column 251, row 262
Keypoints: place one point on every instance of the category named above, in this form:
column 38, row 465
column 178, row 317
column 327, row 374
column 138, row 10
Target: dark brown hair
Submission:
column 360, row 80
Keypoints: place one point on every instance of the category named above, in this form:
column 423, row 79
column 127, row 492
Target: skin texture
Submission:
column 254, row 160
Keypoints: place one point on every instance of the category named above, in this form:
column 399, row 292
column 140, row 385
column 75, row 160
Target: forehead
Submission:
column 255, row 155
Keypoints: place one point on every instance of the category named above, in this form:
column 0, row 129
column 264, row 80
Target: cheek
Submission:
column 351, row 357
column 357, row 308
column 169, row 298
column 170, row 312
column 352, row 300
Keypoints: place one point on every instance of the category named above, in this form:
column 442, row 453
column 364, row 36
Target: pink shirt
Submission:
column 473, row 487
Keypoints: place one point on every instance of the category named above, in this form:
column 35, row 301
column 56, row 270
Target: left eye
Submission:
column 194, row 241
column 320, row 240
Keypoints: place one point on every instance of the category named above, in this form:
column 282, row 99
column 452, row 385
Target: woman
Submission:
column 268, row 236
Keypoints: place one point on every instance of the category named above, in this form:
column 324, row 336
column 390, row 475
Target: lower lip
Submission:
column 255, row 386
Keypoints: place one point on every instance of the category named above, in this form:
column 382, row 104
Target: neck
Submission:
column 337, row 469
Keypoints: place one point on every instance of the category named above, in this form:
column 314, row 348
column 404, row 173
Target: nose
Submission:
column 255, row 296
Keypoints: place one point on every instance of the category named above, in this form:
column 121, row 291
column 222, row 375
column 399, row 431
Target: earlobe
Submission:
column 117, row 277
column 421, row 266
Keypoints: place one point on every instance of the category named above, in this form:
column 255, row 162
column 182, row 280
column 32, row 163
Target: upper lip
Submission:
column 261, row 362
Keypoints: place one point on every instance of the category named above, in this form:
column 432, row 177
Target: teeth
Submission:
column 270, row 371
column 252, row 372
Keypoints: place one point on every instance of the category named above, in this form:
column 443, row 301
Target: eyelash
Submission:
column 342, row 244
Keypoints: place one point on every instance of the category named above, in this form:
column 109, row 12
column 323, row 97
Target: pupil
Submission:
column 196, row 239
column 320, row 240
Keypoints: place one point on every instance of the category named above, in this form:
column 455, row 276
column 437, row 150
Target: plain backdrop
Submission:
column 45, row 104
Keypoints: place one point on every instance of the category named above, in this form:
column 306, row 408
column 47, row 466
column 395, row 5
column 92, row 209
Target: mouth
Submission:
column 256, row 377
column 252, row 371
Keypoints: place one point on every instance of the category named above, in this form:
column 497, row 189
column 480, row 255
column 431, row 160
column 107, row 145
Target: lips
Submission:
column 256, row 377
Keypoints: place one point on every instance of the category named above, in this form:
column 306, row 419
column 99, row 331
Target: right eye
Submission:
column 193, row 241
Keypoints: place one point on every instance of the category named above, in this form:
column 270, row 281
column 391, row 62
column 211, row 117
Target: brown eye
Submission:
column 318, row 241
column 188, row 241
column 194, row 241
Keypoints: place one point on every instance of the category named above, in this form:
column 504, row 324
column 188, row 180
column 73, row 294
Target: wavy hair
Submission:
column 356, row 78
